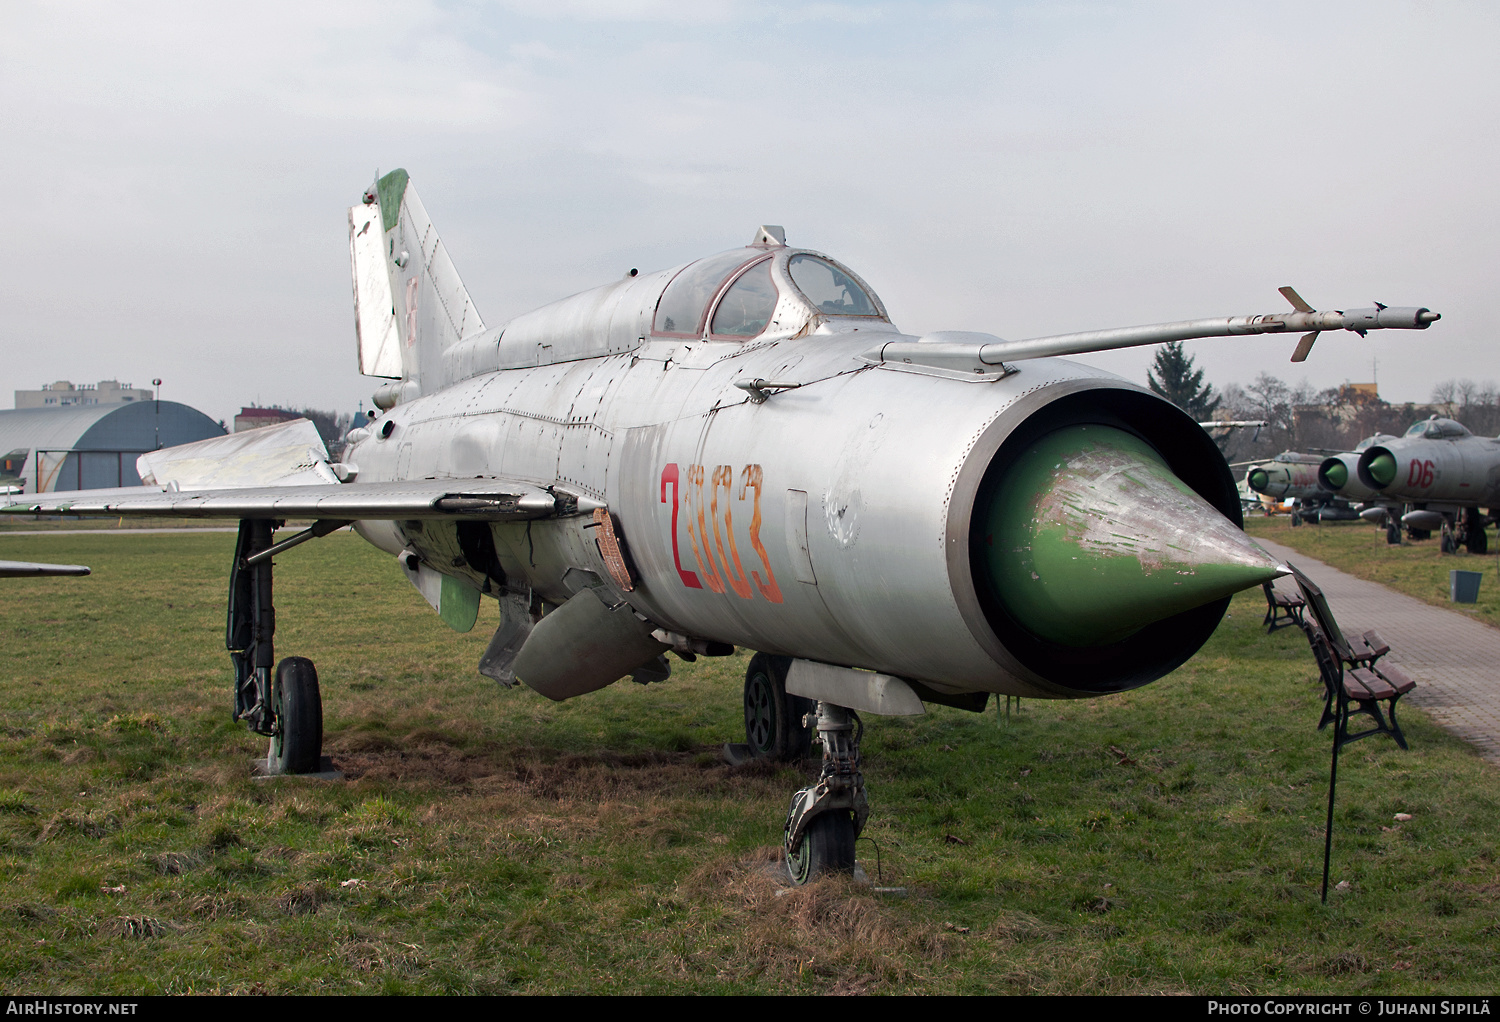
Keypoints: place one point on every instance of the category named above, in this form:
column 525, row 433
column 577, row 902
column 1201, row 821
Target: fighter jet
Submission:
column 1294, row 476
column 1442, row 471
column 741, row 451
column 1288, row 476
column 1337, row 473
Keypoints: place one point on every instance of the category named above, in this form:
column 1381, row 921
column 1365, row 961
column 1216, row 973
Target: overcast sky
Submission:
column 177, row 174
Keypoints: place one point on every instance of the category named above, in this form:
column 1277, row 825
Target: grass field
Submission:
column 488, row 841
column 1417, row 568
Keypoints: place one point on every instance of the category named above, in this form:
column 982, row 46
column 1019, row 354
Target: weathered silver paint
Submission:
column 1288, row 476
column 404, row 499
column 287, row 454
column 1439, row 464
column 829, row 522
column 1352, row 489
column 374, row 308
column 864, row 691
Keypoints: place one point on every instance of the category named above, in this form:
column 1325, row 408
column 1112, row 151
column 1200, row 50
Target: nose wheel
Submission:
column 825, row 820
column 827, row 846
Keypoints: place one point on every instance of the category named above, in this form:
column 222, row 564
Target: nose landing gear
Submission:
column 825, row 820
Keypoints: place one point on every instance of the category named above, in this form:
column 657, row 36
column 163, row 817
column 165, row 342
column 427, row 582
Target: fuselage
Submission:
column 1289, row 476
column 1437, row 461
column 833, row 522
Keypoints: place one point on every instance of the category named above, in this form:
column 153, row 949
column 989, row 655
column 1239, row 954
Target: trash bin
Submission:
column 1464, row 586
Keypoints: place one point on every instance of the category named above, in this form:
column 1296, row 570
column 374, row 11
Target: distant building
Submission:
column 255, row 418
column 63, row 394
column 82, row 448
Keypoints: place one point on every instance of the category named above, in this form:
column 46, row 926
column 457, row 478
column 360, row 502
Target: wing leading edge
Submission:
column 494, row 499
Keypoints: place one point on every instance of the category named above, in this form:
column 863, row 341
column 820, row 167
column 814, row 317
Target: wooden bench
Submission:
column 1282, row 609
column 1354, row 683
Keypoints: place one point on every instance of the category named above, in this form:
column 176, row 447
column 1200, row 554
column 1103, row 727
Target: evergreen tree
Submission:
column 1174, row 378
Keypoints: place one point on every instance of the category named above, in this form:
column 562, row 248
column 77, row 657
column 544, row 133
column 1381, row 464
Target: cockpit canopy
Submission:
column 743, row 293
column 764, row 291
column 1438, row 429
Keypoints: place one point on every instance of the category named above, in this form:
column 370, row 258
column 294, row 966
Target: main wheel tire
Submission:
column 1476, row 542
column 1393, row 533
column 773, row 719
column 827, row 846
column 297, row 745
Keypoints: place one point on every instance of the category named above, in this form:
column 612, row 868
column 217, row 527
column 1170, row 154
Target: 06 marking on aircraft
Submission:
column 1419, row 474
column 728, row 571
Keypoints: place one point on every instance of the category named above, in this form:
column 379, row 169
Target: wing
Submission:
column 495, row 499
column 283, row 472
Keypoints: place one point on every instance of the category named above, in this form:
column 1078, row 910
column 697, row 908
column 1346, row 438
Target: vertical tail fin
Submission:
column 410, row 305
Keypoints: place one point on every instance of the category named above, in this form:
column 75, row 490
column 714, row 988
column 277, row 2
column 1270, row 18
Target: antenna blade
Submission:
column 1304, row 346
column 1297, row 303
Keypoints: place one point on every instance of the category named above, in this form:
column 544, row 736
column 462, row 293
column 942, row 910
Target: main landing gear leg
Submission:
column 283, row 704
column 824, row 820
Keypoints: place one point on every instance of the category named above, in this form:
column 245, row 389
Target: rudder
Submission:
column 410, row 304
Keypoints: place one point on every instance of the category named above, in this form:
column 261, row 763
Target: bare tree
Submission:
column 1445, row 394
column 332, row 426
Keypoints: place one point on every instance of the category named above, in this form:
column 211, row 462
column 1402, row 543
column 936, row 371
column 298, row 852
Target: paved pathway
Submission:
column 1455, row 659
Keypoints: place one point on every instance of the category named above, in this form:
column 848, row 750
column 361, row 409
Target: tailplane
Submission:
column 409, row 304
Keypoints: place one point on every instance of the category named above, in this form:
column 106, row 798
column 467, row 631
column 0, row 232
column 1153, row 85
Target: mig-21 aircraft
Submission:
column 1288, row 476
column 1445, row 473
column 741, row 451
column 1294, row 476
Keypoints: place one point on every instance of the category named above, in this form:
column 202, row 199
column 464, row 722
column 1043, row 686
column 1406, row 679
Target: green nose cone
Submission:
column 1383, row 469
column 1091, row 537
column 1337, row 474
column 1258, row 480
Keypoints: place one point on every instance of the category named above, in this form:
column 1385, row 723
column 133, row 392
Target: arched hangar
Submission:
column 91, row 446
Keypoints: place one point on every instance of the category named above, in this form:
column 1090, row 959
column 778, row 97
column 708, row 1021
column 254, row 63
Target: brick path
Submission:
column 1455, row 660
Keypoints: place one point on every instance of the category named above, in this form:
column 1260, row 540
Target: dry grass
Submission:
column 1165, row 840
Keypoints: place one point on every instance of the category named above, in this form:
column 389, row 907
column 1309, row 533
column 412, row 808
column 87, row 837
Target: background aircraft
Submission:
column 741, row 451
column 1338, row 473
column 1288, row 476
column 1445, row 473
column 1294, row 476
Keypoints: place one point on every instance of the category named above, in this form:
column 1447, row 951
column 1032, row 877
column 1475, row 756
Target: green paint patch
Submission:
column 458, row 604
column 1089, row 535
column 389, row 192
